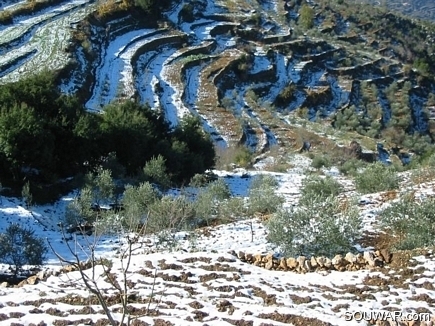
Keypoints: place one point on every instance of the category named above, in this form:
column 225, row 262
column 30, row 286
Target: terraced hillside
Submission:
column 254, row 71
column 423, row 9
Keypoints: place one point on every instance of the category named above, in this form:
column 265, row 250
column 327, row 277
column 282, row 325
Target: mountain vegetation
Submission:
column 46, row 135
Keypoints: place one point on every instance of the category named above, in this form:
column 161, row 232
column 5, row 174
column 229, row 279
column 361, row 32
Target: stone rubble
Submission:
column 302, row 264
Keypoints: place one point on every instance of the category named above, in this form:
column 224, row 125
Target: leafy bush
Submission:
column 136, row 202
column 27, row 195
column 243, row 157
column 412, row 222
column 262, row 197
column 375, row 178
column 264, row 180
column 45, row 131
column 155, row 171
column 209, row 200
column 320, row 161
column 227, row 157
column 286, row 94
column 98, row 189
column 351, row 166
column 19, row 246
column 317, row 188
column 306, row 17
column 170, row 214
column 198, row 180
column 321, row 227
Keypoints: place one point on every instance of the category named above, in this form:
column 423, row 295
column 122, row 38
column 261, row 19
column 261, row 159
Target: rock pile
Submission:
column 302, row 264
column 32, row 280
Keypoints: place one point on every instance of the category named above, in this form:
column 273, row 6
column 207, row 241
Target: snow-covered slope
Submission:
column 200, row 281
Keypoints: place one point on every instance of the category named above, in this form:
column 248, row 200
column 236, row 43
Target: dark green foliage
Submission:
column 45, row 135
column 155, row 171
column 186, row 13
column 375, row 178
column 306, row 18
column 134, row 133
column 38, row 133
column 192, row 150
column 286, row 95
column 351, row 166
column 411, row 221
column 318, row 227
column 152, row 6
column 19, row 246
column 320, row 161
column 320, row 188
column 262, row 196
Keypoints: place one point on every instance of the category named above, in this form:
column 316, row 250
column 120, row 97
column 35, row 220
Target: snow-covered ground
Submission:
column 199, row 280
column 45, row 36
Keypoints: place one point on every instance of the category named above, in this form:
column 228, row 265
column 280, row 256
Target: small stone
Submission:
column 301, row 264
column 258, row 258
column 4, row 285
column 308, row 265
column 338, row 260
column 386, row 255
column 301, row 260
column 269, row 265
column 328, row 263
column 32, row 280
column 378, row 261
column 360, row 259
column 369, row 258
column 313, row 262
column 22, row 283
column 321, row 261
column 291, row 263
column 41, row 275
column 241, row 255
column 283, row 264
column 249, row 257
column 350, row 257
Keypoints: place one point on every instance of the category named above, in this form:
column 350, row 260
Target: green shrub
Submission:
column 136, row 202
column 243, row 158
column 264, row 180
column 262, row 197
column 233, row 209
column 286, row 94
column 227, row 157
column 375, row 178
column 199, row 180
column 170, row 214
column 412, row 222
column 209, row 200
column 321, row 227
column 319, row 188
column 155, row 171
column 320, row 161
column 19, row 246
column 351, row 166
column 306, row 17
column 27, row 195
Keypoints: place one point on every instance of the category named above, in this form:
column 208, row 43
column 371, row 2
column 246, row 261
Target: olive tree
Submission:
column 20, row 246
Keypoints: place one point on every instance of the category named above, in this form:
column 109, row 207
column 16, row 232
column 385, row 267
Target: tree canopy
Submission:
column 46, row 135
